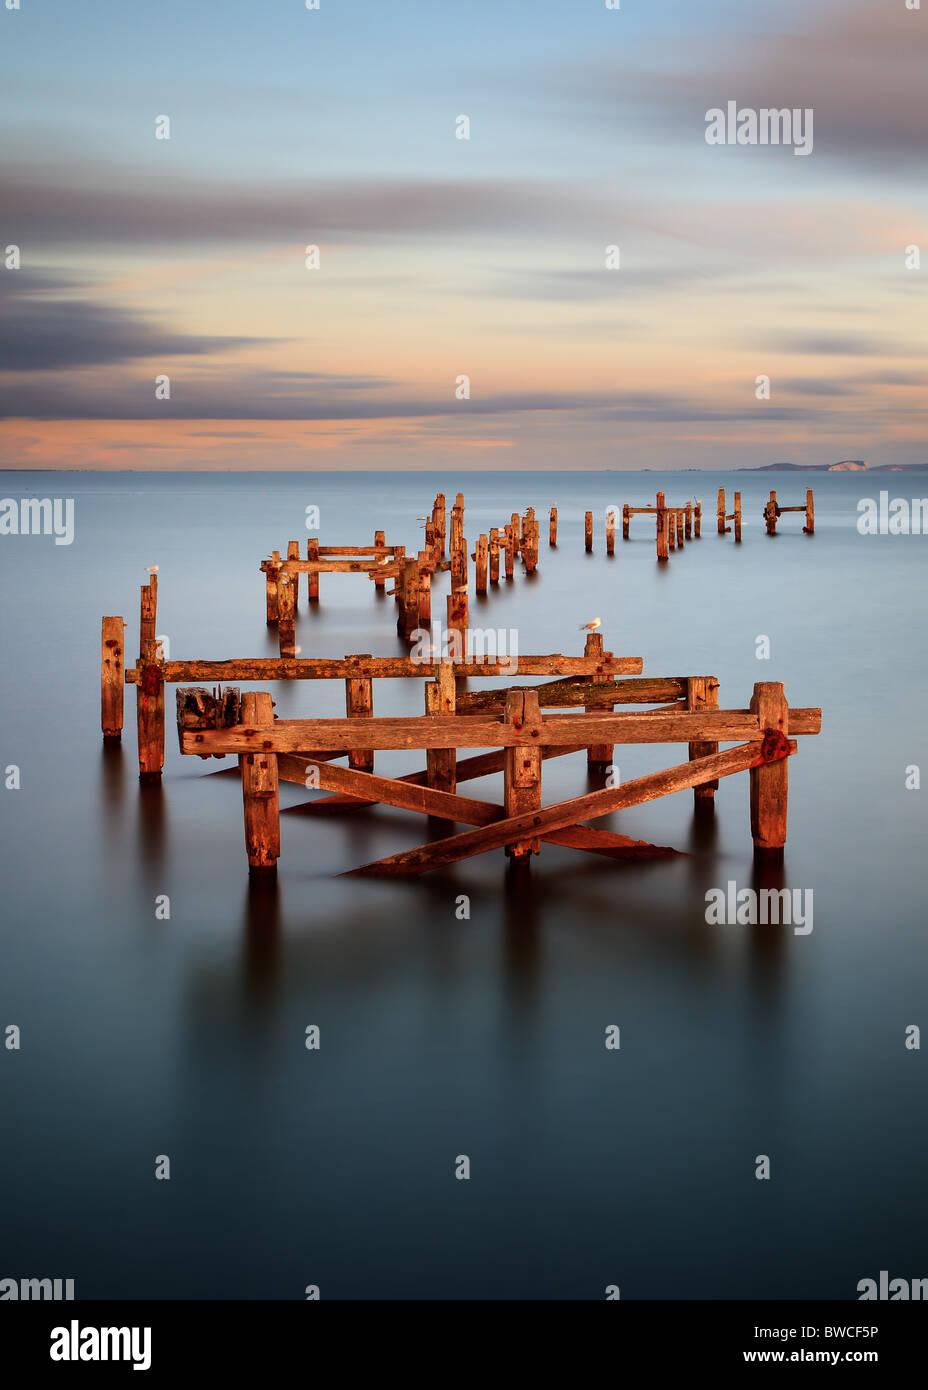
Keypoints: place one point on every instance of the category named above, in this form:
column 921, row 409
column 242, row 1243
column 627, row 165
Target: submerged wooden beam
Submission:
column 599, row 803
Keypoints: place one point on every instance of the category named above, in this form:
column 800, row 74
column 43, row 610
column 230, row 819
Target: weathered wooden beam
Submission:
column 312, row 575
column 293, row 553
column 494, row 554
column 598, row 755
column 481, row 559
column 359, row 704
column 260, row 789
column 588, row 531
column 440, row 698
column 661, row 511
column 588, row 807
column 150, row 713
column 770, row 783
column 522, row 769
column 112, row 680
column 702, row 693
column 286, row 615
column 809, row 527
column 579, row 690
column 270, row 577
column 470, row 731
column 388, row 667
column 610, row 531
column 552, row 526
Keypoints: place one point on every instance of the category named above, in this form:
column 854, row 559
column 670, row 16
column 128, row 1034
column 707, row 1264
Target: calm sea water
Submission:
column 441, row 1037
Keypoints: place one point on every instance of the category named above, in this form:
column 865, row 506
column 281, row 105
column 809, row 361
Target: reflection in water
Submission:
column 261, row 922
column 521, row 930
column 768, row 942
column 152, row 824
column 112, row 781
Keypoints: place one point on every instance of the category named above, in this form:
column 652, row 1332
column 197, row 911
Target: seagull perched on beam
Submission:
column 591, row 627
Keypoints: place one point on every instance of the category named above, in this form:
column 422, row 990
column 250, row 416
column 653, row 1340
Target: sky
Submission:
column 441, row 258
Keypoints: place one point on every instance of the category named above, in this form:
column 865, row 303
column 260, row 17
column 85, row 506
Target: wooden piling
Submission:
column 425, row 588
column 359, row 704
column 738, row 517
column 809, row 527
column 260, row 788
column 770, row 514
column 148, row 612
column 408, row 580
column 610, row 532
column 770, row 783
column 312, row 553
column 588, row 531
column 515, row 522
column 459, row 564
column 270, row 578
column 720, row 508
column 379, row 539
column 671, row 529
column 457, row 609
column 440, row 520
column 112, row 677
column 441, row 763
column 552, row 526
column 480, row 570
column 399, row 560
column 529, row 544
column 626, row 521
column 150, row 712
column 293, row 553
column 510, row 552
column 522, row 770
column 697, row 520
column 494, row 555
column 286, row 617
column 662, row 527
column 688, row 526
column 598, row 755
column 702, row 693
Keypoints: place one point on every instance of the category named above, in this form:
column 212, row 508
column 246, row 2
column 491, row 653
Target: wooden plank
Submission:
column 588, row 807
column 471, row 731
column 386, row 667
column 112, row 682
column 577, row 690
column 260, row 789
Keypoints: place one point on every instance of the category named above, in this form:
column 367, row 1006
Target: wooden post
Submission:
column 150, row 711
column 112, row 677
column 148, row 612
column 662, row 528
column 293, row 553
column 720, row 508
column 459, row 564
column 770, row 783
column 598, row 755
column 809, row 527
column 688, row 513
column 286, row 618
column 610, row 532
column 480, row 572
column 494, row 555
column 510, row 552
column 738, row 517
column 259, row 788
column 522, row 769
column 679, row 516
column 671, row 529
column 359, row 704
column 588, row 531
column 271, row 576
column 770, row 514
column 515, row 523
column 425, row 588
column 379, row 539
column 312, row 553
column 530, row 541
column 457, row 609
column 441, row 763
column 702, row 694
column 399, row 560
column 552, row 527
column 441, row 524
column 626, row 521
column 697, row 520
column 408, row 581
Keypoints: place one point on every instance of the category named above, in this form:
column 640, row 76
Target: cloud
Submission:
column 41, row 330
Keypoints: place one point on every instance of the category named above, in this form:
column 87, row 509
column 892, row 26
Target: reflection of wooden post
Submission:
column 260, row 788
column 809, row 527
column 770, row 783
column 626, row 521
column 441, row 763
column 688, row 514
column 494, row 555
column 510, row 552
column 552, row 527
column 286, row 618
column 697, row 520
column 721, row 511
column 150, row 711
column 588, row 531
column 661, row 528
column 480, row 571
column 293, row 553
column 359, row 704
column 598, row 755
column 522, row 768
column 379, row 538
column 610, row 532
column 312, row 553
column 112, row 677
column 770, row 514
column 702, row 695
column 738, row 516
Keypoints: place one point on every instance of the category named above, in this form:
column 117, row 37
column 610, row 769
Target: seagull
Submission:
column 591, row 627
